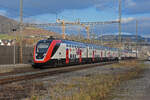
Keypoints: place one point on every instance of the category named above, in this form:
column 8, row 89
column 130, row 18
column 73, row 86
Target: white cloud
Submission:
column 126, row 33
column 3, row 12
column 146, row 35
column 127, row 20
column 122, row 33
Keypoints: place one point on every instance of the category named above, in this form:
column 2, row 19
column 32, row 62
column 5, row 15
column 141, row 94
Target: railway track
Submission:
column 18, row 71
column 46, row 72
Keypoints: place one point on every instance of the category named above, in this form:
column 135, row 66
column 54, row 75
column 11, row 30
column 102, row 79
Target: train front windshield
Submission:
column 42, row 47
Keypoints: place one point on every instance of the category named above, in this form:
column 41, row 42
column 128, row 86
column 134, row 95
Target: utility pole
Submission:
column 88, row 31
column 14, row 51
column 120, row 9
column 136, row 38
column 102, row 34
column 63, row 30
column 63, row 27
column 119, row 27
column 87, row 28
column 14, row 59
column 21, row 30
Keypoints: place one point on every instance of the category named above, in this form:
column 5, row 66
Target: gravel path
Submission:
column 136, row 89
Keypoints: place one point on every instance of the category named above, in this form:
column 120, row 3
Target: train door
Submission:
column 87, row 52
column 80, row 58
column 93, row 55
column 105, row 51
column 101, row 55
column 67, row 56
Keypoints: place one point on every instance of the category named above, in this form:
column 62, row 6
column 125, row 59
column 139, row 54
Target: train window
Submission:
column 71, row 56
column 42, row 47
column 55, row 49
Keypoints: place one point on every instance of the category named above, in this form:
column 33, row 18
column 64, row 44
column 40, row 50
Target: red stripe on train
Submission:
column 34, row 53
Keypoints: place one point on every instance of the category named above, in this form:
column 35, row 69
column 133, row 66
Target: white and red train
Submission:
column 57, row 51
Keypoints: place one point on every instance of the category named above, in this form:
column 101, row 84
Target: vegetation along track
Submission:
column 47, row 72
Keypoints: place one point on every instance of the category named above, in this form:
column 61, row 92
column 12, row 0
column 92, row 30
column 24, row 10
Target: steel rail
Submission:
column 48, row 72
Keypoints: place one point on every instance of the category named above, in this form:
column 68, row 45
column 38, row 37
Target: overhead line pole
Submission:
column 119, row 26
column 21, row 30
column 102, row 34
column 136, row 37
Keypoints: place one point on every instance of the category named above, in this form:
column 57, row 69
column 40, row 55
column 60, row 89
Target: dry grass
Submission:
column 128, row 64
column 90, row 87
column 94, row 87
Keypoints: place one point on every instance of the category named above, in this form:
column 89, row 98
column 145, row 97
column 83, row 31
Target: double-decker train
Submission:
column 57, row 51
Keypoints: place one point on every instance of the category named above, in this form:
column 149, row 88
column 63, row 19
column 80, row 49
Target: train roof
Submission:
column 84, row 44
column 90, row 45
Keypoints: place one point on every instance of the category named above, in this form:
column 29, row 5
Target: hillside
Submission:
column 36, row 32
column 125, row 38
column 6, row 25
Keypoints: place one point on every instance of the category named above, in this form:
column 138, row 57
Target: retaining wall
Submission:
column 7, row 55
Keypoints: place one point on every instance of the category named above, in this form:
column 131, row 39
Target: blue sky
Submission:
column 45, row 11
